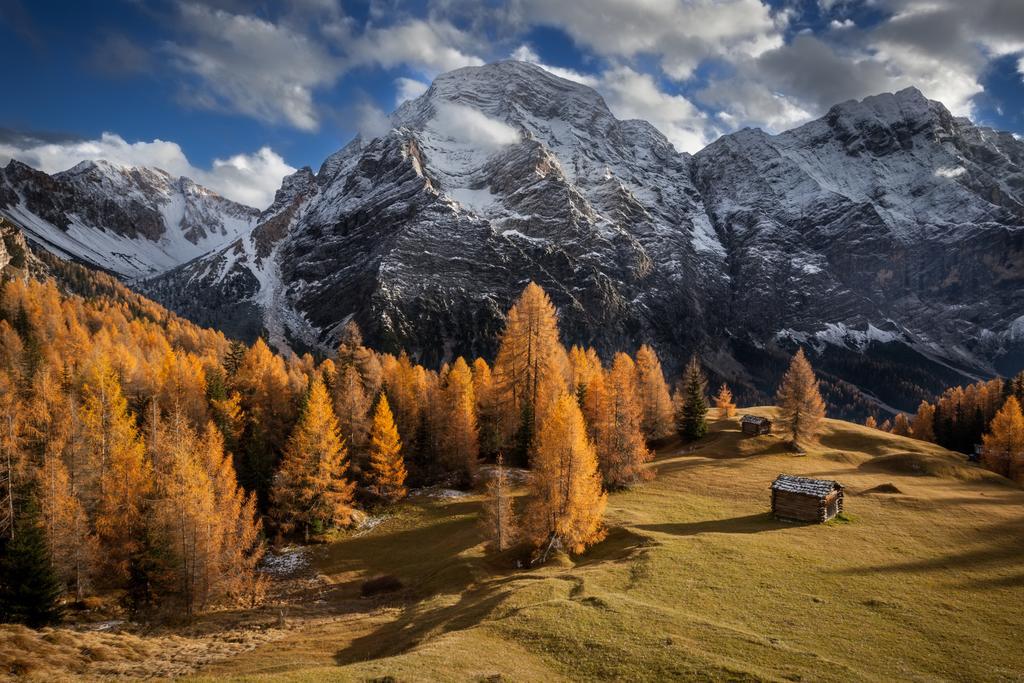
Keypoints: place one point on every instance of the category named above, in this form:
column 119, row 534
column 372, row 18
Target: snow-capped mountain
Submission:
column 135, row 222
column 888, row 235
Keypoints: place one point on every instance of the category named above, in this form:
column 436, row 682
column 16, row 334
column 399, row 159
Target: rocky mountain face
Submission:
column 888, row 236
column 134, row 222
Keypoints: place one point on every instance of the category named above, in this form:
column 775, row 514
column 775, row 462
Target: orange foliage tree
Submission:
column 386, row 468
column 310, row 491
column 566, row 504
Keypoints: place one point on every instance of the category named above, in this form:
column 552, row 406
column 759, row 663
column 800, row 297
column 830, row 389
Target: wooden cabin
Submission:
column 800, row 499
column 753, row 425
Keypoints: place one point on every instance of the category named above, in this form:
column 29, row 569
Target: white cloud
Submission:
column 408, row 89
column 246, row 64
column 681, row 33
column 837, row 25
column 634, row 95
column 250, row 179
column 954, row 172
column 431, row 46
column 467, row 125
column 525, row 53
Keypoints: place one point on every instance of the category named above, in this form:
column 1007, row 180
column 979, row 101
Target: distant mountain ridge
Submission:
column 888, row 235
column 134, row 222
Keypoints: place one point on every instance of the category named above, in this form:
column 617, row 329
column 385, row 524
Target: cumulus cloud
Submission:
column 408, row 89
column 525, row 53
column 680, row 33
column 469, row 126
column 634, row 95
column 250, row 179
column 431, row 46
column 246, row 64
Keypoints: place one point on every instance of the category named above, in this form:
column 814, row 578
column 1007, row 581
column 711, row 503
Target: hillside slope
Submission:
column 695, row 580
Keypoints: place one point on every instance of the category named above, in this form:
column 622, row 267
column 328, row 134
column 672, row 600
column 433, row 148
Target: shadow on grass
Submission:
column 1003, row 548
column 749, row 524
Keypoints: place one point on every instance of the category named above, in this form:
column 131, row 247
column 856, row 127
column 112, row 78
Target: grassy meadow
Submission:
column 922, row 580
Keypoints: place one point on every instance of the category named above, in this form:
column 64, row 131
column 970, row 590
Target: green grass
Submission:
column 696, row 580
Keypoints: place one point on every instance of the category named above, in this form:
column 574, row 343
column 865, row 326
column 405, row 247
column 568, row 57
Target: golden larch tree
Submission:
column 352, row 406
column 1004, row 443
column 724, row 402
column 386, row 468
column 263, row 382
column 233, row 575
column 497, row 517
column 122, row 476
column 74, row 550
column 624, row 452
column 13, row 464
column 924, row 422
column 459, row 438
column 801, row 408
column 488, row 408
column 531, row 370
column 871, row 422
column 566, row 503
column 655, row 399
column 901, row 425
column 310, row 490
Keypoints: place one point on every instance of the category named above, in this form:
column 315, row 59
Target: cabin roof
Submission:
column 755, row 419
column 808, row 487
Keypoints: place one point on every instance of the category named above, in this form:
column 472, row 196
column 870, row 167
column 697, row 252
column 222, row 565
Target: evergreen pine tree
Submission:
column 30, row 589
column 692, row 407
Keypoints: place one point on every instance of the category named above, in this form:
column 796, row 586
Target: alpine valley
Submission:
column 887, row 236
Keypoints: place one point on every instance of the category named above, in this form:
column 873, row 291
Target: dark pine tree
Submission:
column 691, row 415
column 30, row 589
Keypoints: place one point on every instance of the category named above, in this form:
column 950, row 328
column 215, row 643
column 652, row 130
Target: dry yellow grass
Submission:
column 924, row 582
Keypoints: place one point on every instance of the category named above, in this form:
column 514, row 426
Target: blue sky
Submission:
column 237, row 94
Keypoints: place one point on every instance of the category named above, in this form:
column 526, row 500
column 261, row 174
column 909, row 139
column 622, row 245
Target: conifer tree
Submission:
column 352, row 405
column 886, row 426
column 185, row 513
column 1004, row 443
column 497, row 519
column 724, row 402
column 691, row 404
column 266, row 391
column 310, row 491
column 242, row 547
column 924, row 422
column 487, row 408
column 459, row 439
column 122, row 475
column 901, row 425
column 800, row 404
column 531, row 370
column 871, row 422
column 566, row 504
column 74, row 551
column 387, row 472
column 13, row 467
column 30, row 589
column 655, row 399
column 622, row 455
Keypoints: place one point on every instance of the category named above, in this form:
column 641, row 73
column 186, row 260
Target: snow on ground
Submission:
column 286, row 562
